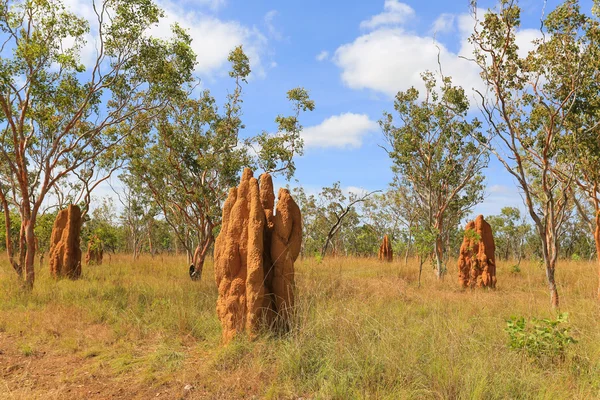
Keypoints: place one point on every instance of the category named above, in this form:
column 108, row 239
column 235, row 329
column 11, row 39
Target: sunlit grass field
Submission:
column 363, row 329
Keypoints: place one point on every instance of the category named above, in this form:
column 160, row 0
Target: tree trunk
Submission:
column 407, row 248
column 552, row 286
column 325, row 246
column 550, row 252
column 597, row 240
column 439, row 258
column 150, row 245
column 200, row 256
column 421, row 262
column 9, row 244
column 30, row 255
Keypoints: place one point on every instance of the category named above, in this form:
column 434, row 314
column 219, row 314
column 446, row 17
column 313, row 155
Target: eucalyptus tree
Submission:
column 187, row 159
column 393, row 213
column 337, row 208
column 578, row 55
column 510, row 231
column 58, row 116
column 530, row 105
column 435, row 158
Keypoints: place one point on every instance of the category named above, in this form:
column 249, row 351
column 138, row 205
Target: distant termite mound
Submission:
column 95, row 251
column 65, row 253
column 477, row 262
column 385, row 250
column 254, row 257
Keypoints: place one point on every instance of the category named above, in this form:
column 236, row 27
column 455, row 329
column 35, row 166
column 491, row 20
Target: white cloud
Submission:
column 212, row 38
column 525, row 40
column 344, row 130
column 444, row 23
column 355, row 190
column 394, row 13
column 271, row 29
column 323, row 55
column 390, row 60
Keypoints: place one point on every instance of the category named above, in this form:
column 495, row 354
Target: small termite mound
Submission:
column 254, row 257
column 477, row 261
column 65, row 253
column 385, row 250
column 95, row 251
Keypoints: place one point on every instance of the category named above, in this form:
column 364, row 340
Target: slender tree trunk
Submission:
column 597, row 240
column 30, row 255
column 407, row 248
column 439, row 257
column 9, row 244
column 150, row 245
column 552, row 286
column 421, row 262
column 200, row 255
column 549, row 252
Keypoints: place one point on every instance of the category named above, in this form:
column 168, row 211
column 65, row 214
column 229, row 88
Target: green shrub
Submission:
column 515, row 269
column 543, row 339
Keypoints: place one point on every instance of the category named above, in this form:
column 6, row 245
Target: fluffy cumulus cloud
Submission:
column 394, row 13
column 212, row 38
column 342, row 131
column 388, row 58
column 444, row 23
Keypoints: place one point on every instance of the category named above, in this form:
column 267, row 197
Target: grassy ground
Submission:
column 364, row 330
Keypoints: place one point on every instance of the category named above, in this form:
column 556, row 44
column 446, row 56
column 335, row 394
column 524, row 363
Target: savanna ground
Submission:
column 364, row 329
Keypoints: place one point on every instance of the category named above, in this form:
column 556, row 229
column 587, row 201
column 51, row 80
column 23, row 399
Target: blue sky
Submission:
column 352, row 56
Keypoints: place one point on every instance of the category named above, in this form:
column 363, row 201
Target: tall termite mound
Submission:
column 65, row 253
column 477, row 262
column 254, row 257
column 385, row 250
column 95, row 251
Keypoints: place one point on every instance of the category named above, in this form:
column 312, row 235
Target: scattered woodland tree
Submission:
column 578, row 70
column 435, row 158
column 187, row 159
column 337, row 208
column 59, row 117
column 510, row 231
column 332, row 220
column 530, row 104
column 393, row 213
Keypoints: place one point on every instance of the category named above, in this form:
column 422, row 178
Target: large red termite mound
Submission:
column 65, row 253
column 95, row 251
column 477, row 261
column 254, row 257
column 385, row 250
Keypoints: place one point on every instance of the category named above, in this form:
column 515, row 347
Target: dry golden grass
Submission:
column 363, row 329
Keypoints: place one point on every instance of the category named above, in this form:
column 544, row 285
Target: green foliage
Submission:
column 276, row 152
column 434, row 156
column 542, row 339
column 473, row 236
column 43, row 230
column 510, row 232
column 318, row 257
column 65, row 119
column 541, row 108
column 184, row 162
column 515, row 269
